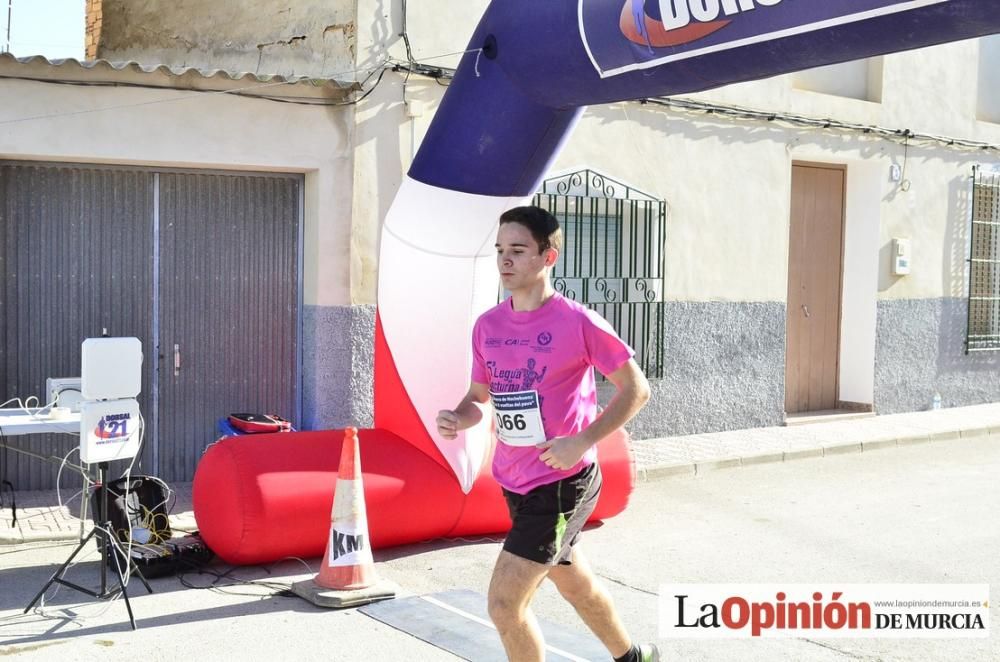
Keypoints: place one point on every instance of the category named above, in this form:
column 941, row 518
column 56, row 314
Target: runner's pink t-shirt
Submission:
column 551, row 351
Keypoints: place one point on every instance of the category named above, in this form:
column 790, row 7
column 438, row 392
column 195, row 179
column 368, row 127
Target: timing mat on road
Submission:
column 457, row 621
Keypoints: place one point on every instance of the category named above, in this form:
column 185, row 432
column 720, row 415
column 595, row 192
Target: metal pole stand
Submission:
column 103, row 535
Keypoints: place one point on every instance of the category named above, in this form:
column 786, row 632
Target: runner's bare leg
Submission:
column 514, row 583
column 578, row 585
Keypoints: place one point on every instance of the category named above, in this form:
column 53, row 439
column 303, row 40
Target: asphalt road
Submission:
column 925, row 513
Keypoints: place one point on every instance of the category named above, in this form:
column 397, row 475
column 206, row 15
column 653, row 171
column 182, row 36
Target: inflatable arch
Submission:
column 512, row 103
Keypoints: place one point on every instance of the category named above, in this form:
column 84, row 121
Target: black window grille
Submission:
column 612, row 257
column 983, row 331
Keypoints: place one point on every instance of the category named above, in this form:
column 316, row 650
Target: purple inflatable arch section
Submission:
column 513, row 103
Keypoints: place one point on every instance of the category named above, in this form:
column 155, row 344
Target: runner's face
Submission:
column 519, row 261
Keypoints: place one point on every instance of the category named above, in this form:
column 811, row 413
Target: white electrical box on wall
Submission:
column 414, row 109
column 900, row 257
column 109, row 430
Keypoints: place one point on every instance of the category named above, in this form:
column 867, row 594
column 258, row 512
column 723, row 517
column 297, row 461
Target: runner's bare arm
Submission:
column 468, row 412
column 632, row 393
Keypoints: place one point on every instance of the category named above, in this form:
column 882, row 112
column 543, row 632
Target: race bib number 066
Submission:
column 518, row 418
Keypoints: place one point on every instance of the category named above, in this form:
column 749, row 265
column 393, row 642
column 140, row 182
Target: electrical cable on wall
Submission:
column 405, row 36
column 736, row 112
column 10, row 11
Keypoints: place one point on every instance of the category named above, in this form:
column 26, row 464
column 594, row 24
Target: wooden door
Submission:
column 815, row 270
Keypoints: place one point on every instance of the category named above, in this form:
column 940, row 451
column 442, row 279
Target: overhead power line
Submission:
column 826, row 124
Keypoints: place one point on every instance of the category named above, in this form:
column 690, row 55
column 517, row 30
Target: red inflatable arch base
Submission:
column 261, row 498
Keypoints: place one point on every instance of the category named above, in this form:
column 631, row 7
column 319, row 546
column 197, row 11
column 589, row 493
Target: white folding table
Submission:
column 18, row 422
column 15, row 422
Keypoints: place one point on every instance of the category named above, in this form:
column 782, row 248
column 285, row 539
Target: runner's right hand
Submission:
column 447, row 424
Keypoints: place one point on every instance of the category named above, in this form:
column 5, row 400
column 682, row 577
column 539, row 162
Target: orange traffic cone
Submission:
column 348, row 562
column 347, row 576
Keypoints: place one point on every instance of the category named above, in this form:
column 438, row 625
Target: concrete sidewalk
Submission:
column 694, row 454
column 40, row 518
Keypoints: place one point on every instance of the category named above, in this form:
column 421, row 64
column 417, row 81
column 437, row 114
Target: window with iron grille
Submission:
column 983, row 332
column 612, row 257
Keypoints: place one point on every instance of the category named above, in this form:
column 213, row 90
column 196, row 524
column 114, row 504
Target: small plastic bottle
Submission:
column 936, row 401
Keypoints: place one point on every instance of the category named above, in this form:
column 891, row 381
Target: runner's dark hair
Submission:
column 543, row 226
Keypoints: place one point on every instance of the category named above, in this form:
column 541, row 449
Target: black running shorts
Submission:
column 548, row 519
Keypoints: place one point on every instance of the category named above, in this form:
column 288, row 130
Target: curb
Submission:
column 698, row 467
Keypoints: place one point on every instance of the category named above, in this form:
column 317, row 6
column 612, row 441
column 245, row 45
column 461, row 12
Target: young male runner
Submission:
column 534, row 357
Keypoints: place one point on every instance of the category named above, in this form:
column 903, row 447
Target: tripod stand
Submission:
column 103, row 533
